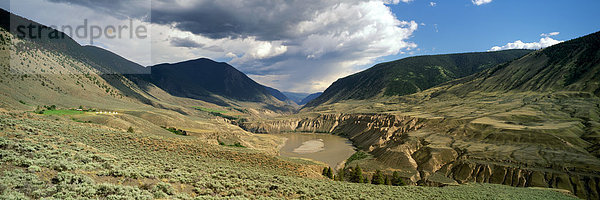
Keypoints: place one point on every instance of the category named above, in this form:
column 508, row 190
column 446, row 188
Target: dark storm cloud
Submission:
column 185, row 42
column 139, row 9
column 265, row 19
column 268, row 20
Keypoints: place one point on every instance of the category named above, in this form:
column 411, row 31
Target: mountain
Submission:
column 203, row 78
column 310, row 98
column 296, row 96
column 410, row 75
column 277, row 94
column 573, row 65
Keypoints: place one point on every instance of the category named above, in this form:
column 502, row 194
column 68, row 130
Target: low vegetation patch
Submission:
column 235, row 144
column 170, row 129
column 358, row 155
column 220, row 113
column 62, row 112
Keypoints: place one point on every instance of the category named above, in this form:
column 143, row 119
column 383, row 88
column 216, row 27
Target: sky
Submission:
column 305, row 45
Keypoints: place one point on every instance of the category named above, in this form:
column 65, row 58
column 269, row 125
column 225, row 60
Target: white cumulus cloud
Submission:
column 549, row 34
column 432, row 4
column 481, row 2
column 544, row 42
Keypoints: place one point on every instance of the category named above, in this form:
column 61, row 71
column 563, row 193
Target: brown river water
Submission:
column 330, row 149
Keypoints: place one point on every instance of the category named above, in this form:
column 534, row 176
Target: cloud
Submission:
column 291, row 45
column 432, row 4
column 185, row 42
column 543, row 43
column 481, row 2
column 396, row 1
column 122, row 9
column 549, row 34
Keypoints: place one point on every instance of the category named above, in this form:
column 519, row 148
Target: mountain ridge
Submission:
column 411, row 75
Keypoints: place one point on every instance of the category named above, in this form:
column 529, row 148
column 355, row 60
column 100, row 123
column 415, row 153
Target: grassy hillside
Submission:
column 569, row 66
column 411, row 75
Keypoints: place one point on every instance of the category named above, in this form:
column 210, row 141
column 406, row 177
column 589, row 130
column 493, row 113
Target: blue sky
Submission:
column 305, row 45
column 465, row 27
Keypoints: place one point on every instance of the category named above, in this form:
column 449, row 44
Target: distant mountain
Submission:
column 277, row 94
column 411, row 75
column 310, row 98
column 296, row 96
column 203, row 78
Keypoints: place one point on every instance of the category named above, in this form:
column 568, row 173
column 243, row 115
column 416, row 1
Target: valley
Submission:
column 80, row 122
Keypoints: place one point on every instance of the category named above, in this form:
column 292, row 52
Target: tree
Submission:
column 397, row 180
column 340, row 175
column 357, row 175
column 329, row 173
column 377, row 178
column 388, row 180
column 324, row 173
column 130, row 130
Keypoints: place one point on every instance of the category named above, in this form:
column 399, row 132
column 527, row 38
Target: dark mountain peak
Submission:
column 203, row 78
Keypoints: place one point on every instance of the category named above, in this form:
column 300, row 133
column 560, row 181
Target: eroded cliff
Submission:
column 446, row 150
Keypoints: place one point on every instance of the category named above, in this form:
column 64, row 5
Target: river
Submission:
column 330, row 149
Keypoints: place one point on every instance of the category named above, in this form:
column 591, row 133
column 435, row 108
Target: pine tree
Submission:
column 357, row 177
column 388, row 180
column 377, row 178
column 330, row 173
column 340, row 175
column 397, row 180
column 324, row 173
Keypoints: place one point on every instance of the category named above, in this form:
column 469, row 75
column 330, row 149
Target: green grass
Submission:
column 219, row 113
column 62, row 112
column 359, row 155
column 175, row 131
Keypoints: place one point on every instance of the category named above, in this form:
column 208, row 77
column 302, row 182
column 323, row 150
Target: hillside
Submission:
column 570, row 66
column 411, row 75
